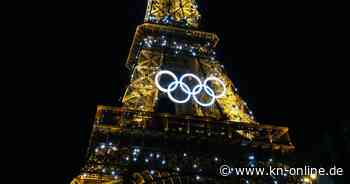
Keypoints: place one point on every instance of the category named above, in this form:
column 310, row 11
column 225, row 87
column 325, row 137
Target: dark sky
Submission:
column 285, row 61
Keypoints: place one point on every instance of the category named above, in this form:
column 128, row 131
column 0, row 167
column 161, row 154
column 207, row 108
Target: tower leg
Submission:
column 142, row 93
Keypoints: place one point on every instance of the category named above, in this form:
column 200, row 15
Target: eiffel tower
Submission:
column 182, row 117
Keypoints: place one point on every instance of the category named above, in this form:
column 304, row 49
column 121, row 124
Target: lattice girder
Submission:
column 231, row 104
column 167, row 41
column 142, row 92
column 183, row 13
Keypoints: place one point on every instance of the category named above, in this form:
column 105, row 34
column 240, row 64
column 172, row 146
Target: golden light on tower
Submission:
column 182, row 12
column 141, row 142
column 306, row 180
column 313, row 176
column 310, row 179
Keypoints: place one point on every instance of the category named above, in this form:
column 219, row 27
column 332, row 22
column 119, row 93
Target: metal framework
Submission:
column 181, row 13
column 130, row 146
column 137, row 144
column 141, row 92
column 153, row 48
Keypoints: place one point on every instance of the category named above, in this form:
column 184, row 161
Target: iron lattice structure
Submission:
column 140, row 143
column 157, row 47
column 182, row 13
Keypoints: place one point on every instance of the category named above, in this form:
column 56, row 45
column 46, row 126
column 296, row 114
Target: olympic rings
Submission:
column 186, row 89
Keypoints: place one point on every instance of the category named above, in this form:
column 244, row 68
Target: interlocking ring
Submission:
column 186, row 89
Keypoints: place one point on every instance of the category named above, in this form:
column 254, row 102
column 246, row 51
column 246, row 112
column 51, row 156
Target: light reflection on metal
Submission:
column 186, row 89
column 183, row 13
column 232, row 105
column 167, row 39
column 141, row 92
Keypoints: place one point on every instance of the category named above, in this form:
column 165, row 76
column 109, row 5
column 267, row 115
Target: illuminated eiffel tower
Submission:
column 181, row 117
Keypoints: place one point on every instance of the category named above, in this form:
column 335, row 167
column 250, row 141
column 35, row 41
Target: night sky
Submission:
column 286, row 63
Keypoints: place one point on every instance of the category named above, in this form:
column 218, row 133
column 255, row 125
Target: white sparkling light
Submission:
column 162, row 73
column 173, row 98
column 211, row 93
column 164, row 43
column 186, row 89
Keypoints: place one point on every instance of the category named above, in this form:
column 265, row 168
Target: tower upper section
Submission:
column 168, row 41
column 180, row 13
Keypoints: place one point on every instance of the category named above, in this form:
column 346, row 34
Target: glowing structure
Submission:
column 151, row 139
column 159, row 46
column 182, row 13
column 186, row 89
